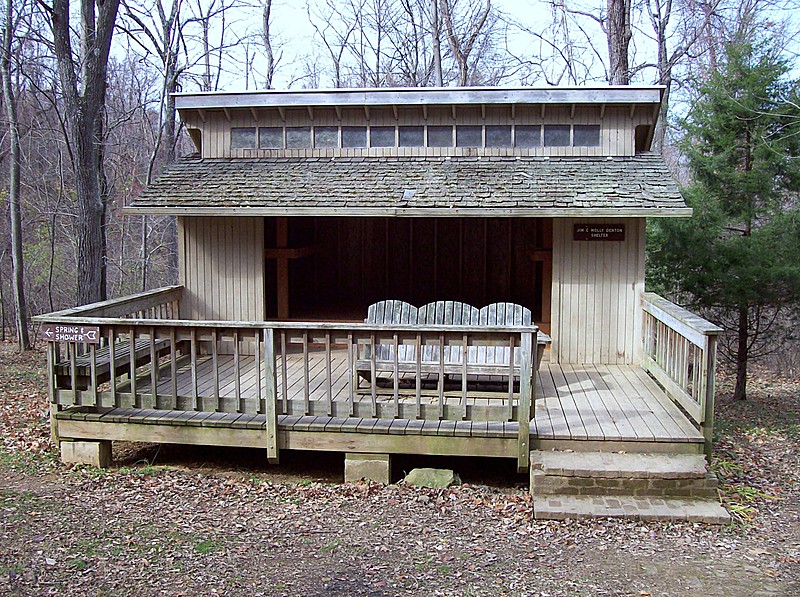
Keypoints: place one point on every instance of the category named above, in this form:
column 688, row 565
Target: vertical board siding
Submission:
column 222, row 268
column 597, row 287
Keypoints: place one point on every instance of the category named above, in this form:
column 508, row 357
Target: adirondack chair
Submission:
column 481, row 360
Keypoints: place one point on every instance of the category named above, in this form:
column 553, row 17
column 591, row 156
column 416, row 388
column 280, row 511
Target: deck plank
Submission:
column 569, row 406
column 627, row 408
column 642, row 404
column 668, row 410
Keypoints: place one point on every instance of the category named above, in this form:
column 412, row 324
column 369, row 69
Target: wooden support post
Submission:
column 282, row 264
column 270, row 396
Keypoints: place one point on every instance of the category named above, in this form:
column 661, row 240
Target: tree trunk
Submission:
column 740, row 391
column 83, row 98
column 618, row 33
column 437, row 44
column 21, row 318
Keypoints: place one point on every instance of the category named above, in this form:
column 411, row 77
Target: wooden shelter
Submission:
column 301, row 209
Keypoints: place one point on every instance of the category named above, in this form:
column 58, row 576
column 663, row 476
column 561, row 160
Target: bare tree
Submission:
column 10, row 101
column 82, row 76
column 463, row 34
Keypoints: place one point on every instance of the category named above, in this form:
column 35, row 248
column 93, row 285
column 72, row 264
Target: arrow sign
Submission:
column 87, row 334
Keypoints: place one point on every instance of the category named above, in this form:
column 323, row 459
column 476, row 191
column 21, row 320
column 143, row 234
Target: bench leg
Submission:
column 93, row 453
column 373, row 467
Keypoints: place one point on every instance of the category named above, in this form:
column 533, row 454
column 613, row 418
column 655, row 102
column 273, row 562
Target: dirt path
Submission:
column 217, row 522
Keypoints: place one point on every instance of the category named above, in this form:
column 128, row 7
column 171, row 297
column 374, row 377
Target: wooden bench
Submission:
column 102, row 358
column 481, row 360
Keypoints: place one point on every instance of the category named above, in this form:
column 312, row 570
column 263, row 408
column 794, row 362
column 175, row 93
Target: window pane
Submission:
column 298, row 137
column 528, row 135
column 411, row 136
column 326, row 136
column 469, row 136
column 498, row 135
column 381, row 136
column 270, row 137
column 586, row 135
column 440, row 136
column 556, row 135
column 243, row 138
column 354, row 136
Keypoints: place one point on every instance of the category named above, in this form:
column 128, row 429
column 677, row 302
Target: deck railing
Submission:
column 680, row 352
column 280, row 368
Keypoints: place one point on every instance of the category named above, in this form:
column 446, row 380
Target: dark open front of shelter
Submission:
column 354, row 262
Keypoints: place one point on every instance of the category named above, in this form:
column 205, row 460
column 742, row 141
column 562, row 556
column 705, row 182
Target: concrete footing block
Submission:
column 372, row 467
column 97, row 453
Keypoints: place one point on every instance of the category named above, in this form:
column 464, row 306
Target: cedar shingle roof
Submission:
column 640, row 185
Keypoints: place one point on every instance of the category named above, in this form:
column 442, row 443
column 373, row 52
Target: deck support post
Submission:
column 372, row 467
column 93, row 453
column 527, row 356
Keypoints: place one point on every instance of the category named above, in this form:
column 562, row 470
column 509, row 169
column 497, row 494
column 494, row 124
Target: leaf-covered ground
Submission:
column 189, row 521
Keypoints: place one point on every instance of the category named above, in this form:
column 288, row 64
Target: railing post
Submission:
column 710, row 382
column 527, row 342
column 270, row 396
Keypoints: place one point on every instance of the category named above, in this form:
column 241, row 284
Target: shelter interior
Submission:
column 345, row 264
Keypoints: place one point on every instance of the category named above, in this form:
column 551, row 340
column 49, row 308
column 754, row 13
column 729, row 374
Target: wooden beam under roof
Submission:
column 227, row 113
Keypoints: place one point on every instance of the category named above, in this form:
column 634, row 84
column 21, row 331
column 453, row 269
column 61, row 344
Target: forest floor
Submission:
column 175, row 520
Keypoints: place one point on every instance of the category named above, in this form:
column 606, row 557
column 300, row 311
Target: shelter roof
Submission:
column 416, row 186
column 405, row 96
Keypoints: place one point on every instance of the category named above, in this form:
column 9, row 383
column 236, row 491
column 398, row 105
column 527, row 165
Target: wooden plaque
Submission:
column 598, row 232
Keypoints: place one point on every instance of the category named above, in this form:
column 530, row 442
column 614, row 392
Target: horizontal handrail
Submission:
column 679, row 351
column 114, row 308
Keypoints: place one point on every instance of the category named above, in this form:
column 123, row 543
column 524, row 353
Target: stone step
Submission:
column 612, row 465
column 548, row 484
column 561, row 507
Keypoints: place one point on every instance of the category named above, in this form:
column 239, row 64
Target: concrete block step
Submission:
column 561, row 507
column 615, row 466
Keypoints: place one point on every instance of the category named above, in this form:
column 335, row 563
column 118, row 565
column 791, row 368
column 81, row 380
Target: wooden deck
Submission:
column 575, row 405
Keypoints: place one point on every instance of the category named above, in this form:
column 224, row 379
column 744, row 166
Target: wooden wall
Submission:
column 617, row 124
column 222, row 267
column 597, row 287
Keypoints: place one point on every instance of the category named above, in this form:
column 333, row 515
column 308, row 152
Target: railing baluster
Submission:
column 396, row 376
column 328, row 367
column 511, row 344
column 132, row 365
column 306, row 381
column 154, row 368
column 260, row 408
column 112, row 366
column 193, row 357
column 284, row 374
column 441, row 376
column 352, row 374
column 373, row 375
column 93, row 374
column 418, row 375
column 173, row 367
column 72, row 350
column 464, row 379
column 237, row 382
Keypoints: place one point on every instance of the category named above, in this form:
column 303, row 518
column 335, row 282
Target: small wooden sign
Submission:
column 598, row 232
column 89, row 334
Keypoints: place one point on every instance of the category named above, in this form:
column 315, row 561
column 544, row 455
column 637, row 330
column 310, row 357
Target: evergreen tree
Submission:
column 738, row 257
